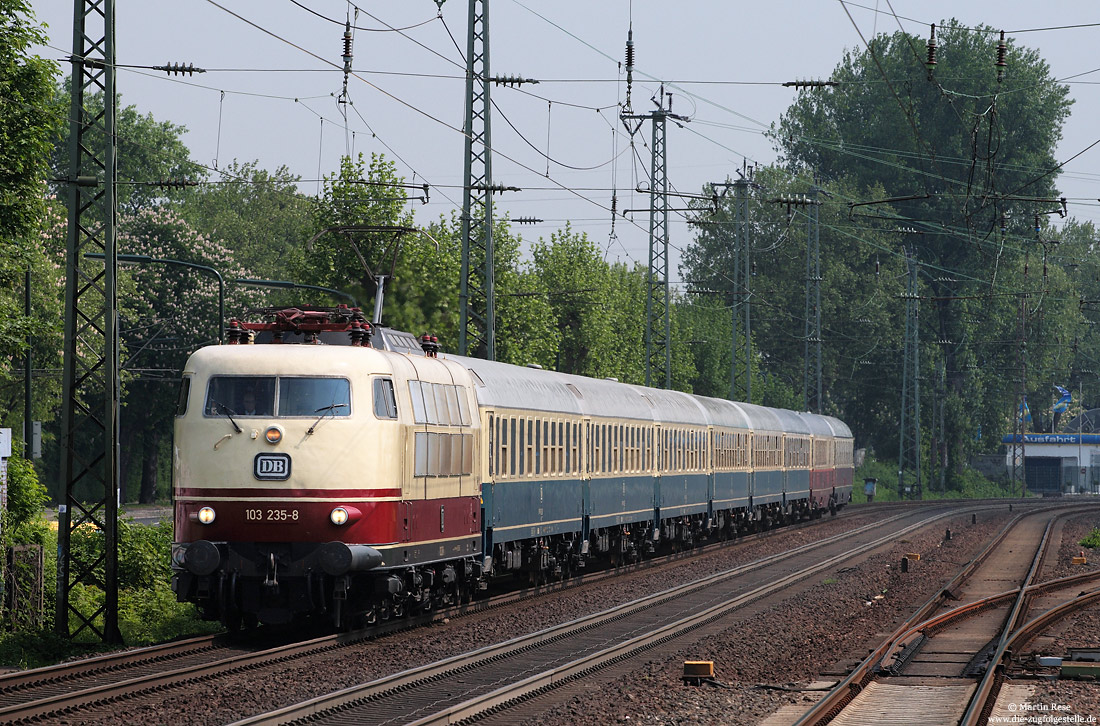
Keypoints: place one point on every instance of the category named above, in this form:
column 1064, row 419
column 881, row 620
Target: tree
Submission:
column 974, row 155
column 260, row 215
column 362, row 194
column 599, row 311
column 150, row 154
column 169, row 311
column 860, row 282
column 28, row 124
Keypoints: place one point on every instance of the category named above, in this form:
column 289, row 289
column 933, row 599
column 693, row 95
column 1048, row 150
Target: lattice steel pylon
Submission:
column 477, row 316
column 909, row 474
column 741, row 306
column 811, row 367
column 658, row 331
column 90, row 411
column 658, row 337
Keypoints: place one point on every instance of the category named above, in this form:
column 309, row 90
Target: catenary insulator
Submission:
column 347, row 47
column 931, row 62
column 1000, row 65
column 629, row 65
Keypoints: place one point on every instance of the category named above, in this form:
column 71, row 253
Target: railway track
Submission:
column 68, row 687
column 945, row 664
column 84, row 687
column 492, row 678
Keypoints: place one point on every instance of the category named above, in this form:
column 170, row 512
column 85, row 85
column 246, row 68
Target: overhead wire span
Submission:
column 388, row 29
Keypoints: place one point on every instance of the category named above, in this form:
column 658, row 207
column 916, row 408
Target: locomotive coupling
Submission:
column 338, row 558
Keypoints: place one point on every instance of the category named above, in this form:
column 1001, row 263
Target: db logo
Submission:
column 271, row 466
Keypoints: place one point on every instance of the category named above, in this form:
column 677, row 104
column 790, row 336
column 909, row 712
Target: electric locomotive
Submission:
column 318, row 471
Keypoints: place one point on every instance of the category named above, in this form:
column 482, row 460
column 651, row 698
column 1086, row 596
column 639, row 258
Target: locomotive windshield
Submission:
column 277, row 396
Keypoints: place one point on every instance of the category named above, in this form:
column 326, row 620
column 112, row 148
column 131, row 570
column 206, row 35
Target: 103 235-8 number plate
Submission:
column 272, row 515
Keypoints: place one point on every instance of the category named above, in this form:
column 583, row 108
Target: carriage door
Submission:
column 494, row 440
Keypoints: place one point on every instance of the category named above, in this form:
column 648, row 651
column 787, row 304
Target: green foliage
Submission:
column 148, row 611
column 152, row 615
column 143, row 552
column 28, row 124
column 361, row 194
column 598, row 308
column 149, row 152
column 23, row 521
column 887, row 474
column 24, row 649
column 962, row 145
column 1092, row 539
column 257, row 214
column 972, row 485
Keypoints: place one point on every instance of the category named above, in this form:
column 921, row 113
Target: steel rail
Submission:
column 136, row 685
column 980, row 708
column 892, row 660
column 981, row 702
column 847, row 689
column 115, row 663
column 19, row 680
column 364, row 693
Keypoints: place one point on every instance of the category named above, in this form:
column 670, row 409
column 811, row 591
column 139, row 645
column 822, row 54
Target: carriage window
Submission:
column 310, row 396
column 421, row 466
column 494, row 438
column 440, row 454
column 512, row 450
column 430, row 414
column 530, row 464
column 240, row 396
column 522, row 447
column 385, row 405
column 538, row 446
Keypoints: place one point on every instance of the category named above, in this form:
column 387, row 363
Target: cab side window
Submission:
column 185, row 391
column 385, row 405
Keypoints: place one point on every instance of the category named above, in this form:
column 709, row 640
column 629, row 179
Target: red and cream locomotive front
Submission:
column 284, row 472
column 337, row 480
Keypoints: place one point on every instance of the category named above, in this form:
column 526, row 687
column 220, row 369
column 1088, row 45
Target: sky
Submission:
column 275, row 74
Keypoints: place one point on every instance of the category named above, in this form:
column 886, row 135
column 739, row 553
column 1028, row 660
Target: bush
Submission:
column 148, row 611
column 1092, row 540
column 37, row 648
column 153, row 616
column 971, row 484
column 23, row 520
column 143, row 552
column 887, row 474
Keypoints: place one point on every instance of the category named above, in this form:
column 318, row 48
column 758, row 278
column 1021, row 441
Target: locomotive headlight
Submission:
column 273, row 434
column 338, row 516
column 205, row 515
